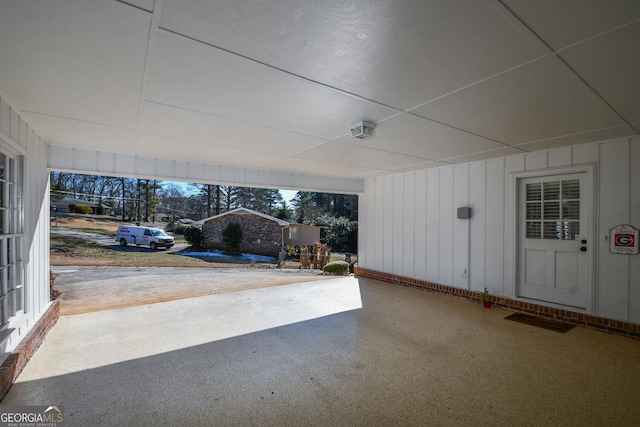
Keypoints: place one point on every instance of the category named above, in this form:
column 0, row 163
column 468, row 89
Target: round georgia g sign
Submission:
column 624, row 240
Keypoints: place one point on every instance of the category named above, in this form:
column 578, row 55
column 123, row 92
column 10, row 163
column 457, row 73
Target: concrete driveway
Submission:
column 88, row 289
column 341, row 352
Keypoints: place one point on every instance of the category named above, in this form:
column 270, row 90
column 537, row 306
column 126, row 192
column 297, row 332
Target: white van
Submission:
column 136, row 235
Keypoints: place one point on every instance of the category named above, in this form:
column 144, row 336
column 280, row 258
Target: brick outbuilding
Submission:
column 261, row 234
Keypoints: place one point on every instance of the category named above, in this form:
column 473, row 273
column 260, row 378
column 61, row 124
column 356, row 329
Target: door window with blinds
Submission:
column 11, row 236
column 553, row 210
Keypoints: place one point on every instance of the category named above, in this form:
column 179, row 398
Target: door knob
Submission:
column 584, row 242
column 583, row 249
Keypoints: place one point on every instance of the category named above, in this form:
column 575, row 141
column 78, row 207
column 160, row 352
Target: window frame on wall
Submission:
column 553, row 209
column 12, row 274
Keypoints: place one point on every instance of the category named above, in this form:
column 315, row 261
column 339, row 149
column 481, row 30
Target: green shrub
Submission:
column 193, row 236
column 337, row 268
column 232, row 235
column 81, row 209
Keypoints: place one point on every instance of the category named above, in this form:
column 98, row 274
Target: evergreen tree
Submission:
column 232, row 236
column 283, row 212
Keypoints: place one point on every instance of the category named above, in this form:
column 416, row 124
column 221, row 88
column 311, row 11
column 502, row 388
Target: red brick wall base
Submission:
column 607, row 325
column 17, row 360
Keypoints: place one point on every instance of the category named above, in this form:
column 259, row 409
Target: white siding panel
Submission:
column 512, row 164
column 445, row 269
column 298, row 177
column 31, row 138
column 15, row 126
column 60, row 157
column 22, row 133
column 227, row 173
column 477, row 225
column 125, row 165
column 634, row 260
column 559, row 157
column 181, row 168
column 288, row 179
column 388, row 229
column 418, row 210
column 87, row 157
column 460, row 227
column 5, row 117
column 307, row 181
column 271, row 177
column 251, row 175
column 164, row 166
column 239, row 176
column 195, row 171
column 364, row 225
column 584, row 153
column 40, row 264
column 145, row 166
column 398, row 226
column 494, row 221
column 379, row 225
column 408, row 221
column 433, row 224
column 420, row 221
column 536, row 160
column 285, row 179
column 21, row 138
column 613, row 289
column 38, row 251
column 212, row 173
column 105, row 163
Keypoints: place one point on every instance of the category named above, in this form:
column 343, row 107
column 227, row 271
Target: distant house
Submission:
column 97, row 208
column 261, row 233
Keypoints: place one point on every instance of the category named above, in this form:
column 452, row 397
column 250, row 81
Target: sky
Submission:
column 288, row 195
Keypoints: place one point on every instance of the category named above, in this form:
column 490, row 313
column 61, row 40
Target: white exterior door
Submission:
column 555, row 245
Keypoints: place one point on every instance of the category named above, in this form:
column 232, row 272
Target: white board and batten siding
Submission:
column 409, row 225
column 18, row 137
column 101, row 162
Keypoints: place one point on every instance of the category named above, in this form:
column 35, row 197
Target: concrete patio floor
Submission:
column 345, row 351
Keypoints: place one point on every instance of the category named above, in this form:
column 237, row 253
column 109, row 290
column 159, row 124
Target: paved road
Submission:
column 86, row 289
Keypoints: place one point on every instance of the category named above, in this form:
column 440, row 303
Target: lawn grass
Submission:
column 68, row 250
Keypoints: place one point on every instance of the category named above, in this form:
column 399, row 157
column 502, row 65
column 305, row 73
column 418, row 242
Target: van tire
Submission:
column 153, row 246
column 123, row 242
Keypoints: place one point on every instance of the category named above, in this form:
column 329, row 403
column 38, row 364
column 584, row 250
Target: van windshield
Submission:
column 159, row 233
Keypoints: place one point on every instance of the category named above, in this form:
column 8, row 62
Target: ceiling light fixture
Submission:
column 362, row 130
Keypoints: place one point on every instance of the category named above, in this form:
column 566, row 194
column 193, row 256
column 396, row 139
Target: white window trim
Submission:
column 11, row 315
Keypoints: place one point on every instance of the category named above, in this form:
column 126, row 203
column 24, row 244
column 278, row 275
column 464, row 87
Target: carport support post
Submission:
column 282, row 257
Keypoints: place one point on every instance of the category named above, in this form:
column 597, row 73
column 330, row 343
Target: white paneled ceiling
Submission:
column 274, row 85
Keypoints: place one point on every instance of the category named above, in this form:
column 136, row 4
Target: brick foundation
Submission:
column 607, row 325
column 17, row 360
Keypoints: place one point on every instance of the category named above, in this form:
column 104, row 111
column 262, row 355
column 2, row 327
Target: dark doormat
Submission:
column 540, row 322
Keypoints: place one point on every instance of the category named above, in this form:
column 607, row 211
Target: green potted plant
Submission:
column 485, row 298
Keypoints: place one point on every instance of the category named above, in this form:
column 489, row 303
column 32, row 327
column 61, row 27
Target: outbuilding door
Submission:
column 555, row 245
